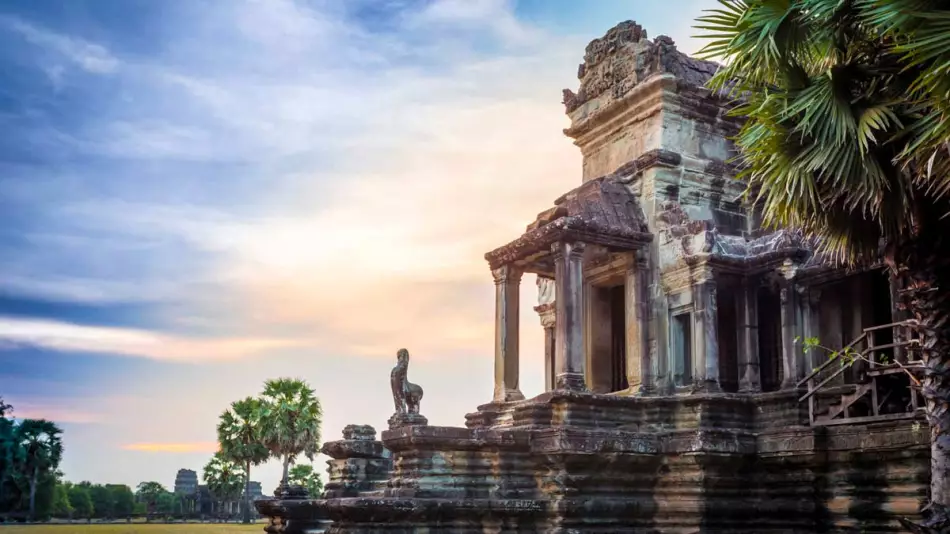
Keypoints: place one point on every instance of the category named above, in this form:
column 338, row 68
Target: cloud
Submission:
column 91, row 57
column 54, row 410
column 126, row 341
column 495, row 16
column 175, row 448
column 333, row 187
column 427, row 157
column 289, row 186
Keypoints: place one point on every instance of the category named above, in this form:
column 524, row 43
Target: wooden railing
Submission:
column 864, row 356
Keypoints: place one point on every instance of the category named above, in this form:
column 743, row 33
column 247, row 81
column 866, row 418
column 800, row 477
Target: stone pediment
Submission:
column 601, row 211
column 689, row 241
column 624, row 58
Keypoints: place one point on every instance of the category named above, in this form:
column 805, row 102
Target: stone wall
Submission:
column 600, row 463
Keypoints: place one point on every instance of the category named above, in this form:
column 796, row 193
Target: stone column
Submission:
column 631, row 317
column 569, row 330
column 811, row 326
column 507, row 280
column 706, row 334
column 832, row 335
column 897, row 315
column 747, row 313
column 548, row 321
column 790, row 361
column 546, row 311
column 639, row 310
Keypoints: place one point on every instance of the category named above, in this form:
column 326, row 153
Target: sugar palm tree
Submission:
column 225, row 478
column 9, row 449
column 149, row 492
column 305, row 475
column 42, row 446
column 847, row 105
column 240, row 435
column 291, row 416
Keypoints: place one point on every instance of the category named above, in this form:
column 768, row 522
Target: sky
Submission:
column 199, row 195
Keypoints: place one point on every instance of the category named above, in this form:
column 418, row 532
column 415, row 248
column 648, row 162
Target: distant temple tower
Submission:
column 186, row 482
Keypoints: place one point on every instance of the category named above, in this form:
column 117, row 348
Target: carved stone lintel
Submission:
column 573, row 248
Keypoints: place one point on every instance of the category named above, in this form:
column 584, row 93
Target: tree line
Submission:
column 282, row 423
column 31, row 485
column 30, row 453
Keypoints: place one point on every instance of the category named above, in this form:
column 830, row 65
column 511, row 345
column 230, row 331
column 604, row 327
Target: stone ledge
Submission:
column 448, row 438
column 558, row 409
column 367, row 510
column 344, row 449
column 581, row 441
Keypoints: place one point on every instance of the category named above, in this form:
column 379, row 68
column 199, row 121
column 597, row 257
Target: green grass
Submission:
column 134, row 528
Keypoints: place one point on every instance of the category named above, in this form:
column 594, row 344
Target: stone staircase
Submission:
column 876, row 380
column 841, row 404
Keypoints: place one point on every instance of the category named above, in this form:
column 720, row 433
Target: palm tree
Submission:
column 42, row 446
column 291, row 416
column 149, row 492
column 305, row 475
column 239, row 433
column 9, row 449
column 847, row 137
column 224, row 478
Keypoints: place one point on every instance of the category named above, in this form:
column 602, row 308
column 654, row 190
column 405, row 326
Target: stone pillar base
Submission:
column 407, row 419
column 509, row 395
column 571, row 381
column 646, row 390
column 708, row 386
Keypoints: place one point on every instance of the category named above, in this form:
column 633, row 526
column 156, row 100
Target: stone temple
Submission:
column 679, row 396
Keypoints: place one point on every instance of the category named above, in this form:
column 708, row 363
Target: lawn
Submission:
column 134, row 528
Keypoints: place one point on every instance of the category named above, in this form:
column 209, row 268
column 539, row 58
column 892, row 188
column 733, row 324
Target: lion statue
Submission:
column 406, row 395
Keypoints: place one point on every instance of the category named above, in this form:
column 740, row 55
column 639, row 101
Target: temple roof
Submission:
column 624, row 58
column 601, row 211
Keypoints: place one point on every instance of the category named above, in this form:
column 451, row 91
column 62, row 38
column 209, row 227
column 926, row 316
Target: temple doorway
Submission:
column 607, row 342
column 681, row 345
column 770, row 339
column 618, row 341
